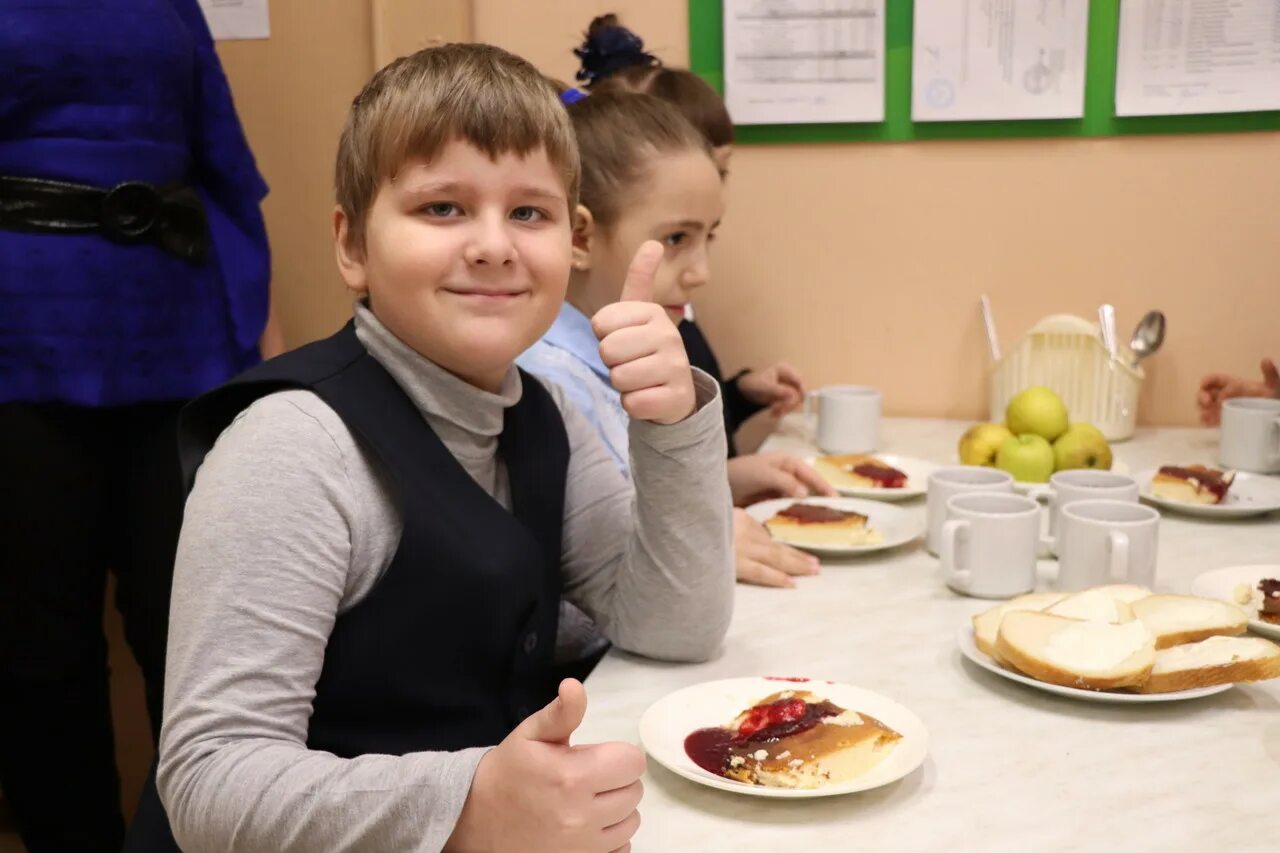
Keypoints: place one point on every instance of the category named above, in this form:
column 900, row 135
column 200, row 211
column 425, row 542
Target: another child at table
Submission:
column 648, row 175
column 384, row 522
column 614, row 59
column 1217, row 387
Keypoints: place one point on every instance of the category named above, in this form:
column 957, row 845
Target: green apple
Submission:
column 979, row 444
column 1029, row 458
column 1082, row 446
column 1038, row 411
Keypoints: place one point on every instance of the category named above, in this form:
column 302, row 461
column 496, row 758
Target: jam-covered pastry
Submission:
column 860, row 471
column 1269, row 608
column 814, row 524
column 1196, row 484
column 1261, row 601
column 793, row 739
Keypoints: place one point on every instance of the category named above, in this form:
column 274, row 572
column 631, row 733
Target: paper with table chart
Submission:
column 1179, row 57
column 804, row 61
column 237, row 19
column 998, row 59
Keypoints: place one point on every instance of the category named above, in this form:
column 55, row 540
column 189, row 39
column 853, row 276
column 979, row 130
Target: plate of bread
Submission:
column 879, row 476
column 1119, row 644
column 783, row 737
column 837, row 526
column 1208, row 492
column 1256, row 589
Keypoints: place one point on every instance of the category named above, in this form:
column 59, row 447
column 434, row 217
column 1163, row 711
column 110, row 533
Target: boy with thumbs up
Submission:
column 382, row 525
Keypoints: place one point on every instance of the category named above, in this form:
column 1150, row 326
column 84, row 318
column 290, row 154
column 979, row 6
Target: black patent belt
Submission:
column 168, row 215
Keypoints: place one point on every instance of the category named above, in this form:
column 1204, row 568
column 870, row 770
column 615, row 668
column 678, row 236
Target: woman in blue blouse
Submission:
column 133, row 276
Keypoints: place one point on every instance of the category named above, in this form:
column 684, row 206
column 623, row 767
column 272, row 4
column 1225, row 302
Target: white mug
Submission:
column 946, row 483
column 1102, row 542
column 1250, row 437
column 989, row 544
column 848, row 418
column 1066, row 487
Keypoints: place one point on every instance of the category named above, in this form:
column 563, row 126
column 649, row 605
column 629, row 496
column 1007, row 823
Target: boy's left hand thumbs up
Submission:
column 640, row 345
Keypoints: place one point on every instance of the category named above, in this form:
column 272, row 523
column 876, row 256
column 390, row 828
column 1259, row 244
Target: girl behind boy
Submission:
column 614, row 60
column 648, row 175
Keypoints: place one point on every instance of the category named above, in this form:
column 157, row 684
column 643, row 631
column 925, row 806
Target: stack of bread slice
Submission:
column 1122, row 637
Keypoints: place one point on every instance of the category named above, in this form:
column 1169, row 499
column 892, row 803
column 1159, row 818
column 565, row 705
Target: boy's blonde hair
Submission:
column 418, row 104
column 618, row 135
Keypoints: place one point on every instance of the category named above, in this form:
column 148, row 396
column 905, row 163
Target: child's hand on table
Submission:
column 779, row 387
column 761, row 561
column 1217, row 387
column 760, row 476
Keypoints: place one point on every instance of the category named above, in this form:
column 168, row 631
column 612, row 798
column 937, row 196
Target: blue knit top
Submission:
column 104, row 91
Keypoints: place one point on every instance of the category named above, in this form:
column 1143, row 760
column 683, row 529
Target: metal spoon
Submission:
column 1147, row 337
column 989, row 320
column 1107, row 328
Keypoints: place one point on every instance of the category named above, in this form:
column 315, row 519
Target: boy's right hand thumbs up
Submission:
column 536, row 792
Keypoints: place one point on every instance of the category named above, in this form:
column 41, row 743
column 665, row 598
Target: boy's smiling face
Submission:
column 465, row 258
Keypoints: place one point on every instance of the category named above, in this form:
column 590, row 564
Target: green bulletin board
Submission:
column 706, row 56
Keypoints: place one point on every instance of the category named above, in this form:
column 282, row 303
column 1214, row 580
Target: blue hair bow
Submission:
column 610, row 50
column 571, row 96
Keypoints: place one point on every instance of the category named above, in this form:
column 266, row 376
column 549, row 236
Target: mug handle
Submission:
column 1119, row 547
column 956, row 576
column 1048, row 539
column 809, row 396
column 1275, row 434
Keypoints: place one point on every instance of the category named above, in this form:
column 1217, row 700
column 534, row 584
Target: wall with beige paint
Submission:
column 857, row 262
column 863, row 262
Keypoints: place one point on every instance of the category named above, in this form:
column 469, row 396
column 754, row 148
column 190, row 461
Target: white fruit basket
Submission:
column 1063, row 353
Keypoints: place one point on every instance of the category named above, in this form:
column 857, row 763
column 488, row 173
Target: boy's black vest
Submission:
column 453, row 645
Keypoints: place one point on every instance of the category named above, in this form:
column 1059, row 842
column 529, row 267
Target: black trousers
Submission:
column 89, row 491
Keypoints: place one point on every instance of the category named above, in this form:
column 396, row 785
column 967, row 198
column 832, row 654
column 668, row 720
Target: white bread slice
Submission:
column 1092, row 605
column 1126, row 592
column 987, row 623
column 1178, row 619
column 1217, row 660
column 1072, row 653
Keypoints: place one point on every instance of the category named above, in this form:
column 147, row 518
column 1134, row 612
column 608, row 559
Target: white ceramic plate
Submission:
column 1221, row 584
column 1040, row 491
column 970, row 649
column 1250, row 494
column 672, row 718
column 917, row 471
column 896, row 526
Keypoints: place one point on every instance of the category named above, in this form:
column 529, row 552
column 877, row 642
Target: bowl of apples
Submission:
column 1036, row 440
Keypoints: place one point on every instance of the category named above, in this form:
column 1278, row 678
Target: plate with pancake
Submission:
column 1240, row 586
column 837, row 526
column 789, row 738
column 879, row 476
column 1246, row 495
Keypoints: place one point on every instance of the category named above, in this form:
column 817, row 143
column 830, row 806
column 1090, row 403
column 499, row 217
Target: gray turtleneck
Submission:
column 290, row 524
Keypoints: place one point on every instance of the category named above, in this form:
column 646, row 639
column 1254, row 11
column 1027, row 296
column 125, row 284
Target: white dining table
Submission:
column 1009, row 767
